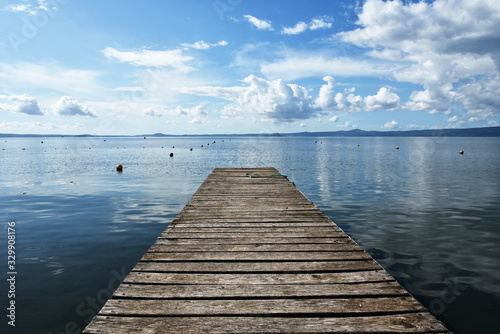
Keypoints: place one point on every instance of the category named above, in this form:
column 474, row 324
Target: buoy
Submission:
column 461, row 152
column 191, row 149
column 201, row 145
column 316, row 142
column 144, row 137
column 358, row 144
column 42, row 141
column 397, row 148
column 171, row 154
column 119, row 168
column 173, row 146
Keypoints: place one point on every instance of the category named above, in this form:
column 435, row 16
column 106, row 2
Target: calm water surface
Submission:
column 429, row 215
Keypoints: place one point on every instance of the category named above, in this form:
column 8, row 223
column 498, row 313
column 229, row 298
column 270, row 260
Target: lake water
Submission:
column 426, row 213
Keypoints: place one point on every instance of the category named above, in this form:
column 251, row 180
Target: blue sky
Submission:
column 240, row 66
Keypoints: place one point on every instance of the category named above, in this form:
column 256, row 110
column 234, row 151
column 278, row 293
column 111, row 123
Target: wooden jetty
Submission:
column 250, row 253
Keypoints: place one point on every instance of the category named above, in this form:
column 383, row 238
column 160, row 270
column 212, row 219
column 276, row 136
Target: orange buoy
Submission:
column 358, row 144
column 119, row 168
column 171, row 154
column 397, row 148
column 461, row 152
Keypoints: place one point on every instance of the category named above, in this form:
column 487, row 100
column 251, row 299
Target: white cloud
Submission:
column 330, row 101
column 24, row 104
column 450, row 47
column 384, row 100
column 38, row 126
column 273, row 100
column 347, row 124
column 306, row 66
column 315, row 24
column 50, row 77
column 299, row 28
column 197, row 114
column 259, row 24
column 201, row 45
column 391, row 125
column 66, row 106
column 168, row 58
column 151, row 113
column 320, row 23
column 334, row 119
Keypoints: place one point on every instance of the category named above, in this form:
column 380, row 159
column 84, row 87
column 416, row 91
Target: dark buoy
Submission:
column 42, row 141
column 144, row 137
column 191, row 149
column 201, row 145
column 461, row 152
column 171, row 154
column 358, row 144
column 173, row 146
column 119, row 168
column 397, row 148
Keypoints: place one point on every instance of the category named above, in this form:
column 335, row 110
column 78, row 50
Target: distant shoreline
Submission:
column 469, row 132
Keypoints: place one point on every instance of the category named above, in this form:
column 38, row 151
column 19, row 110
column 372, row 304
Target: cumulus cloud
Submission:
column 274, row 100
column 151, row 113
column 66, row 106
column 168, row 58
column 24, row 104
column 315, row 24
column 201, row 45
column 197, row 114
column 391, row 125
column 450, row 47
column 328, row 100
column 384, row 100
column 259, row 24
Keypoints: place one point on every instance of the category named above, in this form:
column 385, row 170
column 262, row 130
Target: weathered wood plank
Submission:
column 201, row 235
column 258, row 267
column 162, row 248
column 251, row 307
column 170, row 291
column 254, row 255
column 169, row 239
column 319, row 278
column 399, row 323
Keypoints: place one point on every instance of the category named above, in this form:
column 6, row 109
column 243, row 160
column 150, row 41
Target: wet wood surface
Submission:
column 250, row 253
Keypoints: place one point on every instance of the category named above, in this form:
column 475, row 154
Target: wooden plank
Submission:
column 218, row 267
column 394, row 323
column 252, row 307
column 164, row 248
column 173, row 291
column 319, row 278
column 254, row 255
column 170, row 239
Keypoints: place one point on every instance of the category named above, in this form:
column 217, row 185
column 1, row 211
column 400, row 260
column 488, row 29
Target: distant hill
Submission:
column 471, row 132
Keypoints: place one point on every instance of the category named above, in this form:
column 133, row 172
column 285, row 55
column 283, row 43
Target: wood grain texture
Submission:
column 254, row 255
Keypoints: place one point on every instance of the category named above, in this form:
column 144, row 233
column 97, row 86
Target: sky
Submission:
column 247, row 66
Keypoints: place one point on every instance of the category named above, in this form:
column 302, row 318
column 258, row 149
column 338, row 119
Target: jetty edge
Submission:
column 249, row 253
